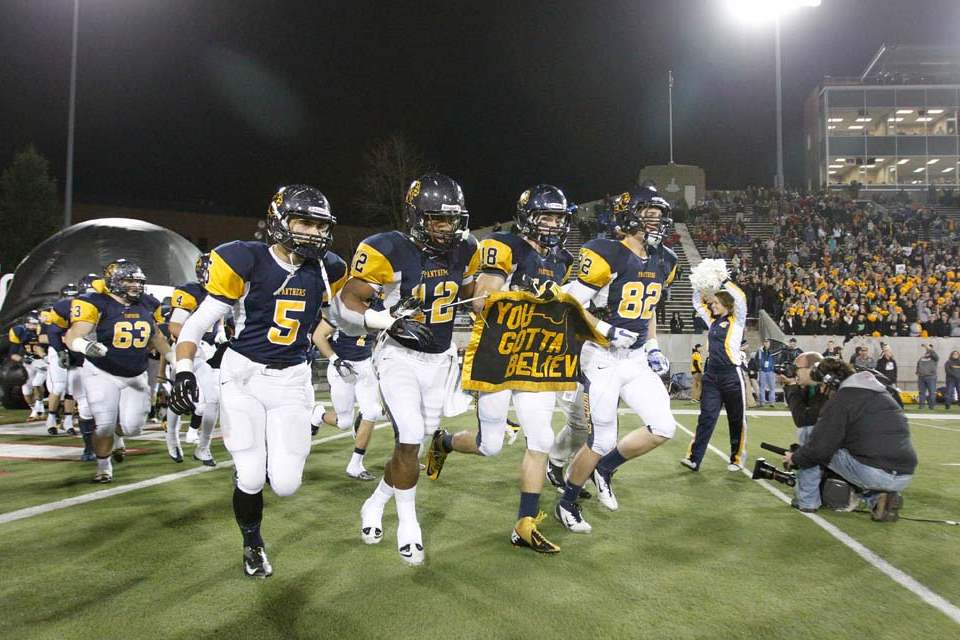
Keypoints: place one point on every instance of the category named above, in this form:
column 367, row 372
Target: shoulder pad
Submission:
column 230, row 265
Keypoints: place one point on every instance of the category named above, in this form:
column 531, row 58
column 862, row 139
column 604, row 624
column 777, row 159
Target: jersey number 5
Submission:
column 639, row 300
column 286, row 328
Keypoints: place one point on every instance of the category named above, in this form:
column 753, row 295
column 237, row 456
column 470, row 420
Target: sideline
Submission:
column 29, row 512
column 933, row 599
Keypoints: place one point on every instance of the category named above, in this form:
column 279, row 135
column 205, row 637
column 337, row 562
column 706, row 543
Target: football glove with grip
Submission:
column 345, row 368
column 185, row 394
column 406, row 329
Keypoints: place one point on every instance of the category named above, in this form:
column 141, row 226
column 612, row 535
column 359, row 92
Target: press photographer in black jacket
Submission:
column 862, row 435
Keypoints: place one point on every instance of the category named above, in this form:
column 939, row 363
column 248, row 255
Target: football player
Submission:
column 121, row 324
column 419, row 274
column 59, row 383
column 184, row 301
column 630, row 276
column 351, row 377
column 26, row 348
column 266, row 390
column 530, row 258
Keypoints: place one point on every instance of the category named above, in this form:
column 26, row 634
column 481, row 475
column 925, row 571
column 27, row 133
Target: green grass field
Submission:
column 708, row 555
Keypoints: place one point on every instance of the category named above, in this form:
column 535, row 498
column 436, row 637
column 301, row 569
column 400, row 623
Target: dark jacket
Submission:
column 864, row 419
column 805, row 404
column 952, row 368
column 888, row 368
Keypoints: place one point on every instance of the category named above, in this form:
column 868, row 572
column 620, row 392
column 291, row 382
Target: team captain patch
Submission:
column 526, row 344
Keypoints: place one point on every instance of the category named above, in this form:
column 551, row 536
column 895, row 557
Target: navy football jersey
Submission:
column 511, row 256
column 399, row 269
column 188, row 297
column 630, row 285
column 23, row 339
column 274, row 303
column 125, row 329
column 57, row 320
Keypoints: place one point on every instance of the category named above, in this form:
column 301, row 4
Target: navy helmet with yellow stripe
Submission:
column 436, row 212
column 643, row 208
column 69, row 290
column 86, row 283
column 300, row 201
column 125, row 279
column 536, row 203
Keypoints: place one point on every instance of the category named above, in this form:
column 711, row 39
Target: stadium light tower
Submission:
column 760, row 12
column 68, row 181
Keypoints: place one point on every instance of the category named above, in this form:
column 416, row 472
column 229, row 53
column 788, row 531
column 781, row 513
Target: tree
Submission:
column 29, row 209
column 389, row 167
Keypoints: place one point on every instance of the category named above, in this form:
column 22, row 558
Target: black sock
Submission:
column 529, row 505
column 609, row 463
column 359, row 451
column 87, row 427
column 248, row 510
column 448, row 442
column 195, row 421
column 571, row 493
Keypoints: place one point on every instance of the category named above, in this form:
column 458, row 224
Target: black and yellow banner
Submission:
column 523, row 343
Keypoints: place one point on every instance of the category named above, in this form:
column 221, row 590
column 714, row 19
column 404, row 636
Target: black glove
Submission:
column 405, row 329
column 344, row 367
column 63, row 357
column 185, row 394
column 406, row 307
column 27, row 359
column 523, row 282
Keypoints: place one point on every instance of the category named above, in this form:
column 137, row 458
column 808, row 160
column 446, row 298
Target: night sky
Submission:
column 207, row 100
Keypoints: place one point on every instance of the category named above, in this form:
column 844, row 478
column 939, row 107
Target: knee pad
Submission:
column 131, row 431
column 345, row 421
column 603, row 442
column 284, row 487
column 490, row 447
column 540, row 441
column 252, row 483
column 26, row 389
column 663, row 430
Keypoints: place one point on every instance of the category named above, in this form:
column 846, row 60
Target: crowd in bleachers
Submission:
column 833, row 265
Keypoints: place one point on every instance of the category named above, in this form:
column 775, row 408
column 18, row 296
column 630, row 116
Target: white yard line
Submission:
column 29, row 512
column 933, row 599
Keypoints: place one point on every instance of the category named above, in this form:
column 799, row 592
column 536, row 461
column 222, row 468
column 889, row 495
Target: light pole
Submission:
column 761, row 11
column 68, row 182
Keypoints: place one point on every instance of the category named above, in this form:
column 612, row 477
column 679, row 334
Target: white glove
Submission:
column 655, row 358
column 89, row 348
column 621, row 338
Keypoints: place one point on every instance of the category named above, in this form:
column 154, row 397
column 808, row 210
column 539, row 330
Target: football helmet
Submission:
column 202, row 267
column 537, row 202
column 86, row 283
column 300, row 201
column 643, row 208
column 69, row 290
column 125, row 279
column 431, row 200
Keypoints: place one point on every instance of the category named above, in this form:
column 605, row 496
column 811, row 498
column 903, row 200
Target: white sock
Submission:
column 356, row 461
column 206, row 429
column 38, row 407
column 407, row 505
column 51, row 420
column 104, row 464
column 118, row 442
column 383, row 493
column 68, row 421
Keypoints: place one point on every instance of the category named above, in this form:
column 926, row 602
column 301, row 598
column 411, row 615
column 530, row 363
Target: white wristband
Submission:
column 186, row 364
column 170, row 356
column 80, row 345
column 650, row 345
column 603, row 328
column 378, row 319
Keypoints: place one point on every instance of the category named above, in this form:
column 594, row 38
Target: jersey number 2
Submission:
column 638, row 300
column 285, row 328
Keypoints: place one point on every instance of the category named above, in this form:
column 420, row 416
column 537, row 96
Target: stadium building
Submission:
column 894, row 127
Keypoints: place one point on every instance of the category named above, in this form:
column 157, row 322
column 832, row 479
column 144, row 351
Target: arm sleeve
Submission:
column 582, row 292
column 828, row 433
column 701, row 307
column 210, row 311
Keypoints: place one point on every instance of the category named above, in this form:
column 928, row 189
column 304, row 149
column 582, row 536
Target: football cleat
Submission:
column 371, row 523
column 175, row 454
column 314, row 429
column 193, row 436
column 363, row 474
column 205, row 457
column 103, row 477
column 87, row 456
column 555, row 475
column 73, row 432
column 605, row 493
column 119, row 454
column 436, row 455
column 526, row 534
column 255, row 563
column 572, row 518
column 512, row 431
column 52, row 431
column 690, row 464
column 733, row 467
column 410, row 543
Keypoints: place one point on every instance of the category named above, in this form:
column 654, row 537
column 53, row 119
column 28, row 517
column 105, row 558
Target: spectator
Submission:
column 951, row 392
column 676, row 323
column 696, row 371
column 861, row 359
column 887, row 364
column 767, row 379
column 832, row 350
column 927, row 376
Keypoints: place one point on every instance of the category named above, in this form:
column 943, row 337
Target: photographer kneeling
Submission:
column 861, row 434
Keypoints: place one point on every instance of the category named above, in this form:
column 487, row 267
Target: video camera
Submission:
column 762, row 470
column 785, row 369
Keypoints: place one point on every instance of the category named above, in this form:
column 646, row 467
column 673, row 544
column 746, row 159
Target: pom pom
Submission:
column 709, row 275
